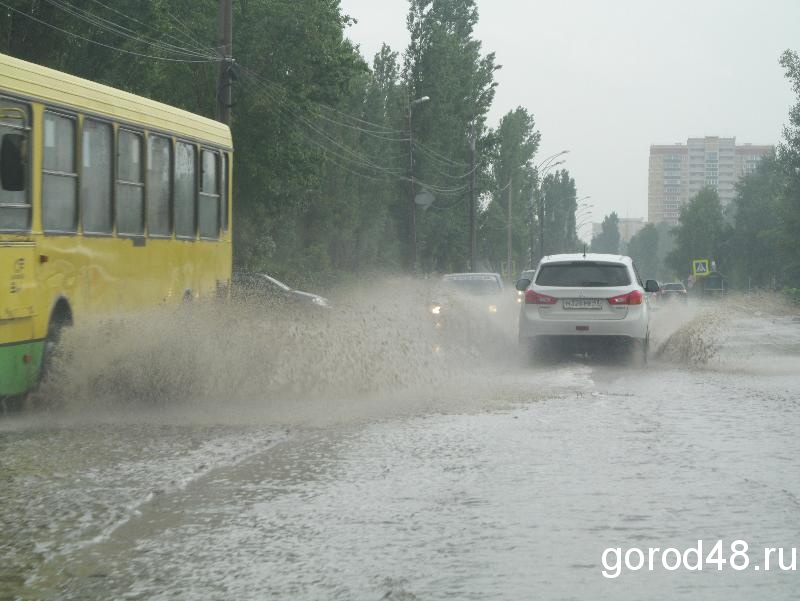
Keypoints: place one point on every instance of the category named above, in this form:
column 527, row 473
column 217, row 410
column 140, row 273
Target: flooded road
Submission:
column 499, row 481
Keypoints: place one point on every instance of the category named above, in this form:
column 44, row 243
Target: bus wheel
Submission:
column 61, row 319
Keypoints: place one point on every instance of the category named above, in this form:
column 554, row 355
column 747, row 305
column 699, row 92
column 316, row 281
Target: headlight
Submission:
column 492, row 308
column 436, row 309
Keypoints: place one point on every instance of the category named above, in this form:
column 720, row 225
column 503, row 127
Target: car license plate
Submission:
column 583, row 303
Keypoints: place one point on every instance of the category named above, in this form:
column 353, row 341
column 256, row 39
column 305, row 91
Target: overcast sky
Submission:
column 605, row 79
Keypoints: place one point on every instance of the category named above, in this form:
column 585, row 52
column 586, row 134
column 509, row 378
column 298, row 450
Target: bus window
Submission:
column 96, row 177
column 159, row 165
column 15, row 208
column 185, row 190
column 208, row 208
column 59, row 179
column 130, row 184
column 224, row 191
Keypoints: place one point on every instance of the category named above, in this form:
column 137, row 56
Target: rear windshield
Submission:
column 673, row 287
column 582, row 274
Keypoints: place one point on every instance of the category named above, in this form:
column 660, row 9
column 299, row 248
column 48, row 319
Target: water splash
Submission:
column 378, row 341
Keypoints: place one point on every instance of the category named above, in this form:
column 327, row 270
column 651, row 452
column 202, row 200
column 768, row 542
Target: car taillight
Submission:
column 632, row 298
column 534, row 298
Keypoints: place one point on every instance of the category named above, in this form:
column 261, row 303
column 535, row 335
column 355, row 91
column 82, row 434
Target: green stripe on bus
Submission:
column 19, row 367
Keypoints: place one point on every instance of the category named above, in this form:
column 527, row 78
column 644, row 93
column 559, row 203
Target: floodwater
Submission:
column 364, row 455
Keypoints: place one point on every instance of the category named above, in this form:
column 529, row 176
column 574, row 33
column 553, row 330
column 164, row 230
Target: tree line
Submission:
column 341, row 165
column 755, row 241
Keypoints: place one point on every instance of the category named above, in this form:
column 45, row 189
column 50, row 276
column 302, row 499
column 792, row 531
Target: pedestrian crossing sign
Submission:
column 700, row 268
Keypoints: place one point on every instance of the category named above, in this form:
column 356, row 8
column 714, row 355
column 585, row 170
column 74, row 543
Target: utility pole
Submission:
column 224, row 92
column 510, row 188
column 533, row 221
column 472, row 233
column 10, row 29
column 413, row 192
column 412, row 197
column 541, row 169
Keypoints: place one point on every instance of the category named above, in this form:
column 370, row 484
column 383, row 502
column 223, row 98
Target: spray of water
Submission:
column 379, row 352
column 725, row 332
column 247, row 359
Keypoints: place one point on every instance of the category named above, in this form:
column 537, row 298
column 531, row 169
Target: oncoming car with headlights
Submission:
column 586, row 302
column 480, row 293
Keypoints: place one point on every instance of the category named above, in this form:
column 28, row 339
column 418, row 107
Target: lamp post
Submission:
column 509, row 187
column 582, row 208
column 542, row 168
column 413, row 228
column 582, row 214
column 583, row 223
column 473, row 251
column 473, row 135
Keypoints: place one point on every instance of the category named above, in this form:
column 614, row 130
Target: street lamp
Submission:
column 473, row 251
column 548, row 163
column 582, row 214
column 413, row 232
column 542, row 168
column 583, row 224
column 510, row 238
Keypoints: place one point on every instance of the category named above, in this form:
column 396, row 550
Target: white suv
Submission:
column 586, row 302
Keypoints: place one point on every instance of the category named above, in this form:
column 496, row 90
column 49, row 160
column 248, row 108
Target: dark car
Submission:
column 673, row 291
column 252, row 286
column 525, row 275
column 482, row 291
column 472, row 310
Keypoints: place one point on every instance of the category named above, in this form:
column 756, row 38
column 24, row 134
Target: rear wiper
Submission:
column 597, row 284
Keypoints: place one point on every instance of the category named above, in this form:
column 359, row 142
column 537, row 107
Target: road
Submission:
column 459, row 477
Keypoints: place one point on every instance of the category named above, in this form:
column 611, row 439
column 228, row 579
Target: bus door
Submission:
column 17, row 284
column 17, row 250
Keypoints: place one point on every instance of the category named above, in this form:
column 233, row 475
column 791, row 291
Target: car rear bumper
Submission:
column 633, row 326
column 580, row 344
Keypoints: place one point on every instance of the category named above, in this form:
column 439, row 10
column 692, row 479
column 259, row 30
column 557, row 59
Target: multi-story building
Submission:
column 679, row 171
column 627, row 227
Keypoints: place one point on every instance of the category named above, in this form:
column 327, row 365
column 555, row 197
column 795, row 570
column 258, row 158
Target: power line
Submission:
column 115, row 28
column 351, row 156
column 89, row 40
column 441, row 157
column 285, row 110
column 376, row 134
column 195, row 43
column 294, row 112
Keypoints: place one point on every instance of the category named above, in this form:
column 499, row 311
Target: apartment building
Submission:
column 627, row 227
column 679, row 171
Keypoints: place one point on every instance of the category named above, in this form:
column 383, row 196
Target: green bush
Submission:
column 793, row 294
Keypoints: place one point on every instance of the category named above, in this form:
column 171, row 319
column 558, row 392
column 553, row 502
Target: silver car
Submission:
column 586, row 302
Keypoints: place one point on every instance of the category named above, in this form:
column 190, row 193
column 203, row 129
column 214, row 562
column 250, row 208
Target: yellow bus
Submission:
column 109, row 202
